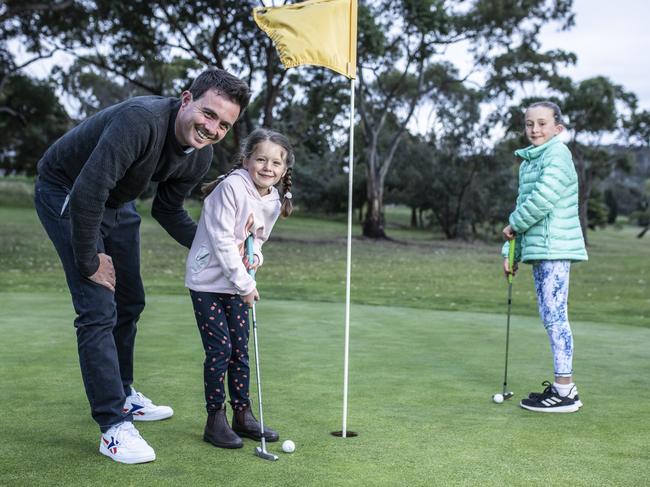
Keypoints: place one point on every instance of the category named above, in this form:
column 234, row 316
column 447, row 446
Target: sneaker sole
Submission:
column 534, row 395
column 149, row 417
column 557, row 409
column 128, row 461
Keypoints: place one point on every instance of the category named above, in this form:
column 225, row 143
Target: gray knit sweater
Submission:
column 110, row 158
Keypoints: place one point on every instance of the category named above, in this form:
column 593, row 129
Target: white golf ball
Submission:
column 498, row 398
column 288, row 446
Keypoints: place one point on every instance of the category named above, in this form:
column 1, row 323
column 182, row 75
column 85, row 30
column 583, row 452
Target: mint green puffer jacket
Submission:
column 546, row 218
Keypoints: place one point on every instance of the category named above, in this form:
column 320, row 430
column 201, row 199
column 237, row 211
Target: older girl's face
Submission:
column 540, row 125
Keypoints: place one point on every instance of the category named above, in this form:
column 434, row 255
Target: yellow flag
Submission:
column 320, row 32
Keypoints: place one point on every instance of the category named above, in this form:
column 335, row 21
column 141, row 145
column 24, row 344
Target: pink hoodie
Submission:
column 230, row 213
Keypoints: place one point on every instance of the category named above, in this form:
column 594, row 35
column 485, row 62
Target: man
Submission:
column 87, row 183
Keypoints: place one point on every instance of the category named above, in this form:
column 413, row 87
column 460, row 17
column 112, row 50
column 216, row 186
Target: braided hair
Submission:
column 247, row 148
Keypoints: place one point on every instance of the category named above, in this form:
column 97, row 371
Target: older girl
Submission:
column 547, row 232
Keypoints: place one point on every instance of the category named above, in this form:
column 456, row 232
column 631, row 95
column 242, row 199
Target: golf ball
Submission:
column 498, row 398
column 288, row 446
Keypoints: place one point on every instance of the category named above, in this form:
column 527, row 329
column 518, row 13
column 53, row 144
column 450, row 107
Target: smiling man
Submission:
column 87, row 183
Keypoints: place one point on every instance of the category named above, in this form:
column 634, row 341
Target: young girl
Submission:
column 243, row 202
column 548, row 235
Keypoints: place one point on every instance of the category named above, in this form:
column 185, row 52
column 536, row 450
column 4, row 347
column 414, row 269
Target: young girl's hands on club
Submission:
column 250, row 298
column 255, row 264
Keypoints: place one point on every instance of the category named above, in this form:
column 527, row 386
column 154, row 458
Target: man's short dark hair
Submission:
column 224, row 83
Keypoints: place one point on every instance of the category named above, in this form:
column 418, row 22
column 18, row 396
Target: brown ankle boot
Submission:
column 245, row 424
column 218, row 432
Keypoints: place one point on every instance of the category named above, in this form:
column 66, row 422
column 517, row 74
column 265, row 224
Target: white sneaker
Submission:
column 124, row 444
column 143, row 409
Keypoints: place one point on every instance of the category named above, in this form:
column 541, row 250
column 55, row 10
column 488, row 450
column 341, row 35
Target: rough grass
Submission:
column 305, row 260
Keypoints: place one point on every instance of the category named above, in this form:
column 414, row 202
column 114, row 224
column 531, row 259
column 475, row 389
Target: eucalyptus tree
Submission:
column 405, row 61
column 598, row 111
column 31, row 115
column 132, row 42
column 597, row 107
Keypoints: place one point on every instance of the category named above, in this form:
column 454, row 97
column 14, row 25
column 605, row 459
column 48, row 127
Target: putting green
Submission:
column 420, row 389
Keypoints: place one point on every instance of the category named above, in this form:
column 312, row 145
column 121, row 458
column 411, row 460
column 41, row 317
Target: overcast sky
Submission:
column 610, row 38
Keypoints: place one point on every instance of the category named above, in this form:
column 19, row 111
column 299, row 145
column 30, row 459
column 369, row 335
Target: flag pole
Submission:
column 346, row 352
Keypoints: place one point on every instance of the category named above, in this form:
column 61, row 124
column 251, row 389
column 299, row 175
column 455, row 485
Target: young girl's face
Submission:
column 266, row 165
column 540, row 125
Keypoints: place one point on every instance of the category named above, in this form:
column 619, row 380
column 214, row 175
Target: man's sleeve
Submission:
column 167, row 207
column 122, row 142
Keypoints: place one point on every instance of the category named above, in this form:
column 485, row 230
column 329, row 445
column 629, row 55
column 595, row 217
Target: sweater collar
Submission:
column 531, row 152
column 172, row 141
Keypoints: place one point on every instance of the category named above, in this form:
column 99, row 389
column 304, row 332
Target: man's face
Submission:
column 205, row 120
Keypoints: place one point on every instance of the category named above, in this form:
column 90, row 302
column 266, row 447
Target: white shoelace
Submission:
column 145, row 400
column 125, row 433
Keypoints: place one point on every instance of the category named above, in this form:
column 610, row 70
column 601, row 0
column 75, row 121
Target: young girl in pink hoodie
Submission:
column 243, row 202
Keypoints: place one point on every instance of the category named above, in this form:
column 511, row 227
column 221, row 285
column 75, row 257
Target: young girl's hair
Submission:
column 246, row 150
column 557, row 113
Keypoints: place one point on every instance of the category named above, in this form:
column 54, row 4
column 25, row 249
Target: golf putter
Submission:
column 511, row 262
column 260, row 451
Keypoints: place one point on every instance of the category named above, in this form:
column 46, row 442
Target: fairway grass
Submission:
column 420, row 388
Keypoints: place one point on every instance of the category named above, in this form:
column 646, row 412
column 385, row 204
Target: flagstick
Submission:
column 349, row 265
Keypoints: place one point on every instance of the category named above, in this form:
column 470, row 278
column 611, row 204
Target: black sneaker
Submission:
column 549, row 401
column 548, row 386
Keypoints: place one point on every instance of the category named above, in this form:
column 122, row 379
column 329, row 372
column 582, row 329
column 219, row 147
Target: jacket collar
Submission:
column 531, row 152
column 251, row 189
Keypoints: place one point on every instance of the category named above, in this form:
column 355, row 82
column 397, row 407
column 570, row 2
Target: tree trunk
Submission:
column 414, row 217
column 373, row 225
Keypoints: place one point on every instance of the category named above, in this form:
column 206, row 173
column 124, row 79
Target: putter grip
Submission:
column 511, row 257
column 250, row 255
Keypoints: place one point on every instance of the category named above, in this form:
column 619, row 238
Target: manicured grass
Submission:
column 420, row 388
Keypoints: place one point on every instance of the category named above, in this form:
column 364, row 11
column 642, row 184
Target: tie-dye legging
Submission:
column 552, row 285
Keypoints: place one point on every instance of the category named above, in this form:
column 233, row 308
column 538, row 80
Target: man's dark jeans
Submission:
column 105, row 322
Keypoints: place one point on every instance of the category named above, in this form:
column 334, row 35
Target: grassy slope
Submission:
column 305, row 259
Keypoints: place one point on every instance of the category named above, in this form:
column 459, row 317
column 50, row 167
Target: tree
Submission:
column 30, row 120
column 596, row 107
column 403, row 55
column 124, row 39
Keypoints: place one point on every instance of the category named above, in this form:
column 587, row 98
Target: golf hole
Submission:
column 348, row 434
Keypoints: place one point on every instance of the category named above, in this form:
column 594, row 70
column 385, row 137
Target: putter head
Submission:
column 508, row 395
column 264, row 454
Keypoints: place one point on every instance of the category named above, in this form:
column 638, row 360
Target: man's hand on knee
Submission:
column 105, row 274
